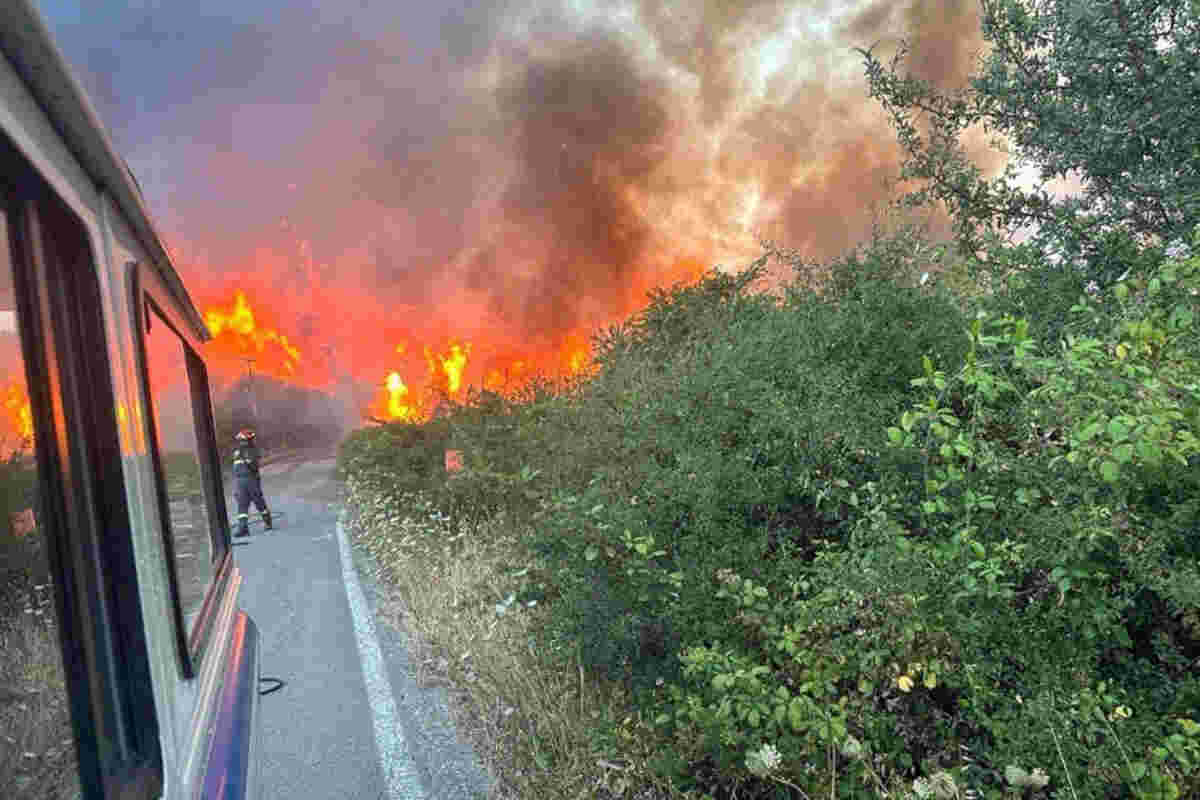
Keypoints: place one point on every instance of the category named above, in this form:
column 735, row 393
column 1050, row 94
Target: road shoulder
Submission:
column 449, row 768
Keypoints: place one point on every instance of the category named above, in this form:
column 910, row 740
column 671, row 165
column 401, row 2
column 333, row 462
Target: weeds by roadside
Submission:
column 37, row 752
column 465, row 592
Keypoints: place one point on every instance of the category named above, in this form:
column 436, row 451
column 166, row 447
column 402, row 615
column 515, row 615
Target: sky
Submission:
column 383, row 180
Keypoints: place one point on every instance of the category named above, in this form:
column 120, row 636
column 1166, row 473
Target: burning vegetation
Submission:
column 465, row 205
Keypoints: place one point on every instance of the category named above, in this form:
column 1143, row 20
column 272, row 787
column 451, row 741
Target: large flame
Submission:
column 18, row 418
column 399, row 402
column 413, row 369
column 448, row 367
column 472, row 219
column 237, row 333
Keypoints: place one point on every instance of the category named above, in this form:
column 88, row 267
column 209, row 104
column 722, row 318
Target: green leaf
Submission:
column 1110, row 471
column 590, row 553
column 796, row 715
column 1123, row 453
column 1016, row 776
column 1181, row 317
column 1149, row 452
column 895, row 435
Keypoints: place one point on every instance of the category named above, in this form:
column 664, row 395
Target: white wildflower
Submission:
column 852, row 748
column 764, row 760
column 1178, row 250
column 943, row 785
column 728, row 576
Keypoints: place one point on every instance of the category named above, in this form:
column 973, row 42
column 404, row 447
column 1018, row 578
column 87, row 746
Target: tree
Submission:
column 1103, row 90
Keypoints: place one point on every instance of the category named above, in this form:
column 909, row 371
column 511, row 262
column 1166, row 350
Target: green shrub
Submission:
column 865, row 534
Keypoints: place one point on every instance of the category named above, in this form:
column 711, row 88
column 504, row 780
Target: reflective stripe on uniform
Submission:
column 243, row 516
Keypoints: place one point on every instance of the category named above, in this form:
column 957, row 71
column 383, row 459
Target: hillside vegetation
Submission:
column 896, row 538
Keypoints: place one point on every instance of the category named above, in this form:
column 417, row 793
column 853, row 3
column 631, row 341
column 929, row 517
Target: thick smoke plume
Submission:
column 384, row 182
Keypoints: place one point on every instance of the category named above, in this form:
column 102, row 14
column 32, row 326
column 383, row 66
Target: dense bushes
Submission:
column 921, row 537
column 805, row 561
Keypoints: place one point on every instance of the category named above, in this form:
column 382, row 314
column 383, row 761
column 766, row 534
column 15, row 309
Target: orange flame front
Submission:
column 414, row 362
column 236, row 331
column 400, row 405
column 18, row 416
column 448, row 369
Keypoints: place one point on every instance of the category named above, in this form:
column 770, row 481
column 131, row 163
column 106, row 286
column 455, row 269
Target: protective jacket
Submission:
column 245, row 461
column 247, row 489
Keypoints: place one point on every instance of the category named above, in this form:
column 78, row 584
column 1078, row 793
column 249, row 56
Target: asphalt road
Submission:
column 350, row 720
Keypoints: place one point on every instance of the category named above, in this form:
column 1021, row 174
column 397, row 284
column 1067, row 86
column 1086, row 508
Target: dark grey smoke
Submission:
column 503, row 165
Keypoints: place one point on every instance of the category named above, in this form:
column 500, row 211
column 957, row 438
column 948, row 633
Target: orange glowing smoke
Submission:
column 575, row 354
column 237, row 333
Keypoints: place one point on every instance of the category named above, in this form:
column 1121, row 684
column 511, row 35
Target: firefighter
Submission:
column 247, row 488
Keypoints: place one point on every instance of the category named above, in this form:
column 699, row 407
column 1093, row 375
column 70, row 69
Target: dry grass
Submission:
column 37, row 751
column 530, row 718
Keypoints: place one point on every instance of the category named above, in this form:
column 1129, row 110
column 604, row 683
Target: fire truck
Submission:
column 127, row 668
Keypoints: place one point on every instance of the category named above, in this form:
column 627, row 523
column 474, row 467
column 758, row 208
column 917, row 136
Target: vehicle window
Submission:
column 37, row 750
column 173, row 396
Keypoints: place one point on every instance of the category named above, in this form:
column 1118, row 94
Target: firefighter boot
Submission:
column 267, row 520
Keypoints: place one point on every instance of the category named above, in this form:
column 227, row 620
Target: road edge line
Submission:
column 395, row 762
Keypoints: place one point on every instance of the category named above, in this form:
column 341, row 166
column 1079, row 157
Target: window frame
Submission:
column 83, row 513
column 149, row 296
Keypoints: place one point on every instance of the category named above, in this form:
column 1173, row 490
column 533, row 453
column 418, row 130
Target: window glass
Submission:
column 178, row 447
column 37, row 750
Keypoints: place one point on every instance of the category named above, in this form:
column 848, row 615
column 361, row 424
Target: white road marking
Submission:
column 395, row 762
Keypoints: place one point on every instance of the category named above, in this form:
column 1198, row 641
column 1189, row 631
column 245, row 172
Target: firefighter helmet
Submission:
column 245, row 435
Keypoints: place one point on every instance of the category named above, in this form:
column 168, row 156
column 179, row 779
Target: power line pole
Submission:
column 250, row 389
column 343, row 389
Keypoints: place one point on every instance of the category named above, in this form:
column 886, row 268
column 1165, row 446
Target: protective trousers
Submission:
column 246, row 491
